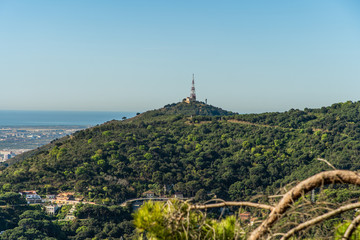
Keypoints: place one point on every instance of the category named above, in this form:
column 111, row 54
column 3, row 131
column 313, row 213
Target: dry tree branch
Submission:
column 276, row 196
column 325, row 161
column 300, row 213
column 327, row 203
column 257, row 196
column 320, row 208
column 215, row 200
column 320, row 219
column 313, row 208
column 337, row 176
column 275, row 235
column 239, row 204
column 289, row 185
column 288, row 224
column 351, row 228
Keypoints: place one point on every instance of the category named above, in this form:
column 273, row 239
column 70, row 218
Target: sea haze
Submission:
column 58, row 118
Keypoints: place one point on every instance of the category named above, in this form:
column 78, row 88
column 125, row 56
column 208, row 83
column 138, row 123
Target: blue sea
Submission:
column 58, row 118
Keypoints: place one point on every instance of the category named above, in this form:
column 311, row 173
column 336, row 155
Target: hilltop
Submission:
column 227, row 155
column 194, row 108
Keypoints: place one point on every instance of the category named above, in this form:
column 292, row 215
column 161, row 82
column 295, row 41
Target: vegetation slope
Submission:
column 221, row 154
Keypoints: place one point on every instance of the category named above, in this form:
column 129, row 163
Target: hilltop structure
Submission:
column 192, row 97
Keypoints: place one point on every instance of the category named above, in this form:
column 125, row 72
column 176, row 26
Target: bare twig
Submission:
column 239, row 204
column 276, row 196
column 337, row 176
column 275, row 235
column 320, row 219
column 300, row 213
column 323, row 160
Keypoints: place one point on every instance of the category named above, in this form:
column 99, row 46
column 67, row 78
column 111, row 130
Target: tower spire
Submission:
column 192, row 93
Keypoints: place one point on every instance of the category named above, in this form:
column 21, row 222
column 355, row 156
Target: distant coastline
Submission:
column 15, row 118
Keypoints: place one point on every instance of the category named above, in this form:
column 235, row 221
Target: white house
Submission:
column 51, row 209
column 31, row 197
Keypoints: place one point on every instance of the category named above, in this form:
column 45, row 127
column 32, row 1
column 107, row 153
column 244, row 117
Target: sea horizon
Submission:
column 17, row 118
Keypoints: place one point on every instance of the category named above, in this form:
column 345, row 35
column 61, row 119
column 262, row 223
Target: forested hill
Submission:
column 231, row 157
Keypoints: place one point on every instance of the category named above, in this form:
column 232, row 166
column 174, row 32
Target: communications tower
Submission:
column 192, row 93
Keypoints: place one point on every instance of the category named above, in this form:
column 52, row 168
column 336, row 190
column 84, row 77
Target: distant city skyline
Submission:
column 247, row 56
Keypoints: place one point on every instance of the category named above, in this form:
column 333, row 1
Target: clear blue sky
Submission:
column 247, row 56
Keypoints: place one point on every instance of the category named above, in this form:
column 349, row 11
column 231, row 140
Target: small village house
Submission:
column 149, row 194
column 31, row 197
column 51, row 209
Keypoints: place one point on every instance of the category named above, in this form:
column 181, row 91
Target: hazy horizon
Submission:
column 142, row 111
column 58, row 118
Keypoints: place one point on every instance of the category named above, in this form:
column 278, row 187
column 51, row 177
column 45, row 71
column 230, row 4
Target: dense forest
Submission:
column 196, row 149
column 232, row 157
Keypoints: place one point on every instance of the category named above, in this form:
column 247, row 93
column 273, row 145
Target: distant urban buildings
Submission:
column 5, row 155
column 17, row 140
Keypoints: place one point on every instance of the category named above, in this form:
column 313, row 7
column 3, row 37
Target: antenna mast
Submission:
column 193, row 94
